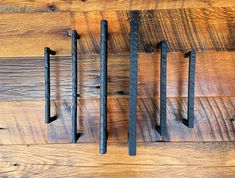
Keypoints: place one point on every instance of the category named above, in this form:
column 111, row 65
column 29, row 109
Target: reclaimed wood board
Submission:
column 204, row 29
column 23, row 78
column 25, row 6
column 210, row 29
column 152, row 160
column 28, row 34
column 23, row 122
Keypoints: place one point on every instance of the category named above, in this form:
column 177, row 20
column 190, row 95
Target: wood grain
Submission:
column 22, row 122
column 23, row 6
column 24, row 35
column 28, row 34
column 152, row 160
column 23, row 78
column 209, row 29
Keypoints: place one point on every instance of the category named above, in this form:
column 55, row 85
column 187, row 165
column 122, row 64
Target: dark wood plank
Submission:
column 24, row 6
column 23, row 78
column 206, row 29
column 210, row 29
column 22, row 122
column 152, row 160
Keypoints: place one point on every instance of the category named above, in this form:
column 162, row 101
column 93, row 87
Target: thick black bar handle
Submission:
column 134, row 23
column 103, row 86
column 163, row 90
column 191, row 86
column 47, row 53
column 74, row 36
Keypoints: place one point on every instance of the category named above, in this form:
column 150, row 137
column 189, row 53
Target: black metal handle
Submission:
column 74, row 37
column 163, row 83
column 134, row 24
column 103, row 86
column 47, row 53
column 191, row 86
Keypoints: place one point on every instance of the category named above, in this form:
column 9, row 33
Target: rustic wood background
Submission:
column 205, row 29
column 30, row 148
column 23, row 78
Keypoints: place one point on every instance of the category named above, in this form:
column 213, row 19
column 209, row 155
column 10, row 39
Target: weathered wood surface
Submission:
column 28, row 34
column 22, row 122
column 210, row 29
column 24, row 6
column 23, row 78
column 152, row 160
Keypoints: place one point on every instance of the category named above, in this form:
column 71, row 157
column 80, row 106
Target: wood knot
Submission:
column 51, row 8
column 15, row 164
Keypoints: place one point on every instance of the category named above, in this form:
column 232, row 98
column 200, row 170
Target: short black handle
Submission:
column 47, row 53
column 191, row 87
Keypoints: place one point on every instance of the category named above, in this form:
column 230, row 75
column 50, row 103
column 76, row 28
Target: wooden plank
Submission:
column 152, row 160
column 23, row 6
column 28, row 34
column 22, row 122
column 209, row 29
column 214, row 76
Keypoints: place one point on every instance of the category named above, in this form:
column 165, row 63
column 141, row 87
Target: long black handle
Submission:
column 74, row 36
column 133, row 84
column 163, row 91
column 103, row 86
column 191, row 86
column 47, row 52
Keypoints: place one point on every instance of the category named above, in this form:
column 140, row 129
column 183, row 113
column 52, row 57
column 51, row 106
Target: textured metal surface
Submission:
column 134, row 22
column 163, row 90
column 103, row 86
column 47, row 52
column 191, row 86
column 74, row 36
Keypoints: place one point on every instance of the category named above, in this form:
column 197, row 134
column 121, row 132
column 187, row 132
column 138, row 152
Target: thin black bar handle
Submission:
column 103, row 86
column 74, row 36
column 191, row 87
column 47, row 53
column 163, row 87
column 133, row 83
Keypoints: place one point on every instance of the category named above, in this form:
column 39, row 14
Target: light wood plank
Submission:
column 22, row 122
column 23, row 6
column 83, row 160
column 28, row 34
column 23, row 78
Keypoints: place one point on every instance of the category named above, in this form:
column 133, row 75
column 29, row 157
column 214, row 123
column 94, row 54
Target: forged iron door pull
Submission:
column 134, row 23
column 47, row 53
column 191, row 86
column 103, row 86
column 163, row 83
column 74, row 37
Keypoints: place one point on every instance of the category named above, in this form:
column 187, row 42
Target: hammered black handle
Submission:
column 191, row 87
column 103, row 86
column 74, row 37
column 47, row 53
column 134, row 24
column 163, row 90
